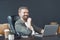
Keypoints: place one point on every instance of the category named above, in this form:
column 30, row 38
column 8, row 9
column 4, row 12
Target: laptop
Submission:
column 49, row 30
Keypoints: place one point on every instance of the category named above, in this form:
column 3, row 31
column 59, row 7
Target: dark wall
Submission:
column 41, row 11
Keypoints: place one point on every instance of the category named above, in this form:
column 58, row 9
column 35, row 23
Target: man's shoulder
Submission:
column 18, row 21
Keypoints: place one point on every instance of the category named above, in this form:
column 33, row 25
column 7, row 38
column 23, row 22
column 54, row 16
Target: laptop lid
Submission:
column 50, row 30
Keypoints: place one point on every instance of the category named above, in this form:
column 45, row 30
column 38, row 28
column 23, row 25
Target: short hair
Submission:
column 20, row 8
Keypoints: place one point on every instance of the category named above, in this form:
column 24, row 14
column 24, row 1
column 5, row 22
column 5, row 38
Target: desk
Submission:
column 29, row 38
column 51, row 38
column 37, row 38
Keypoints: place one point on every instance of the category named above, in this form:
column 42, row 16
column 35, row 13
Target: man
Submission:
column 24, row 25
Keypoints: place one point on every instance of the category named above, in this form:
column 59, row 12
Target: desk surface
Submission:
column 36, row 38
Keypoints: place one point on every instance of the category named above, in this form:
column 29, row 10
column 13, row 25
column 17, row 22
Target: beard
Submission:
column 25, row 17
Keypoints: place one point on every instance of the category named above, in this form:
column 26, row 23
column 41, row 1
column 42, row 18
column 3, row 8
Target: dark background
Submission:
column 41, row 11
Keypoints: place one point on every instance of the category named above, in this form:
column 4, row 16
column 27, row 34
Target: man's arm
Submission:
column 37, row 29
column 21, row 28
column 33, row 27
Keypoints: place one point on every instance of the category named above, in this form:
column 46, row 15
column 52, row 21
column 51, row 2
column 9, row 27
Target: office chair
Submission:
column 11, row 21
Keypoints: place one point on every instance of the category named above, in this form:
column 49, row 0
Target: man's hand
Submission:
column 42, row 31
column 28, row 23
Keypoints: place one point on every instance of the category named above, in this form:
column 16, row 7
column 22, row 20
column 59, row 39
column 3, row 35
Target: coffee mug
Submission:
column 11, row 37
column 6, row 33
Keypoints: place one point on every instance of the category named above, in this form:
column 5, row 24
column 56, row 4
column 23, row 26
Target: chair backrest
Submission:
column 11, row 21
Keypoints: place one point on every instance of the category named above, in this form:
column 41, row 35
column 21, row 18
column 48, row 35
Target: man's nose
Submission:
column 26, row 14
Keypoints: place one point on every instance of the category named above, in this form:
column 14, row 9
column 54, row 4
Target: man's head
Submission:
column 23, row 12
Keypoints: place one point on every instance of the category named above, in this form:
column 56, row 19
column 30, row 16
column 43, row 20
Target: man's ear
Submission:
column 19, row 14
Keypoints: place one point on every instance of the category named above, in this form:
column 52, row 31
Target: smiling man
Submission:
column 24, row 25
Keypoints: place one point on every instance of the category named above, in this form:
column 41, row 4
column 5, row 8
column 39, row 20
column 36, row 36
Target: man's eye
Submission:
column 26, row 12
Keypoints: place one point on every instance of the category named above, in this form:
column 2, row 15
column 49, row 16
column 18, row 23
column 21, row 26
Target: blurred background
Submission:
column 41, row 11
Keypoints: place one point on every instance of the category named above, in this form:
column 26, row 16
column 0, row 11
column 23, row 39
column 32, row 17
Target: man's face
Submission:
column 24, row 13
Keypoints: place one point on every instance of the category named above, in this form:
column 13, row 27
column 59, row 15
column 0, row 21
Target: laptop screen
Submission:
column 50, row 30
